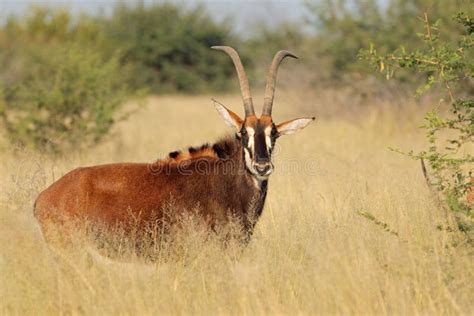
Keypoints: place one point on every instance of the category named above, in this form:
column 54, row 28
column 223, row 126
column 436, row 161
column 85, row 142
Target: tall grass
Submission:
column 312, row 251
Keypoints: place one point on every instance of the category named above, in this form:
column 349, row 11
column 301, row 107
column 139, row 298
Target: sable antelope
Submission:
column 114, row 193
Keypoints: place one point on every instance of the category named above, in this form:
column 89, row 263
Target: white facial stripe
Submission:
column 251, row 133
column 249, row 152
column 248, row 161
column 268, row 140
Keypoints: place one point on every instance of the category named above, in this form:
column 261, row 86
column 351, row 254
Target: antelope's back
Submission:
column 102, row 192
column 120, row 193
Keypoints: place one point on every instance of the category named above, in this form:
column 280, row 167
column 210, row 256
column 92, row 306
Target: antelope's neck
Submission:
column 261, row 197
column 258, row 188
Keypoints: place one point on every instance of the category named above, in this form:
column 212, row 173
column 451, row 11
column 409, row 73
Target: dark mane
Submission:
column 224, row 148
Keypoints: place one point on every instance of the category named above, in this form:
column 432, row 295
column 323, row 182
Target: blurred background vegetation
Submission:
column 64, row 76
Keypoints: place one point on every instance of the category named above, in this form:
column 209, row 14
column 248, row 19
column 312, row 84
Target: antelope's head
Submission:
column 258, row 134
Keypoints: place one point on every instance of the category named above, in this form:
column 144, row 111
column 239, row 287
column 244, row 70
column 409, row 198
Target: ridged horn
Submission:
column 271, row 80
column 243, row 80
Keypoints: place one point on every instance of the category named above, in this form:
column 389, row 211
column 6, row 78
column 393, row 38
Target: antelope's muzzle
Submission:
column 263, row 169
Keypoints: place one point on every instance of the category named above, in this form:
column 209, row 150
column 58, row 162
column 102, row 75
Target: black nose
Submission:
column 262, row 168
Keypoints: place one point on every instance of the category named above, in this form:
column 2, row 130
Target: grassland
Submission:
column 314, row 251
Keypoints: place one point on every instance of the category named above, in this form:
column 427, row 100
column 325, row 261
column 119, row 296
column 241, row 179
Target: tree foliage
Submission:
column 169, row 47
column 58, row 91
column 344, row 27
column 450, row 135
column 64, row 78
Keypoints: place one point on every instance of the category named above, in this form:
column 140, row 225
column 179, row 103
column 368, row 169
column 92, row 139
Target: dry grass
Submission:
column 313, row 251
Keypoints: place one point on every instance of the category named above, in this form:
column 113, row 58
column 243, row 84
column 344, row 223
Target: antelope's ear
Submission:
column 231, row 119
column 290, row 127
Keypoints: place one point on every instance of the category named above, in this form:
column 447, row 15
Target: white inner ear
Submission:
column 294, row 126
column 229, row 120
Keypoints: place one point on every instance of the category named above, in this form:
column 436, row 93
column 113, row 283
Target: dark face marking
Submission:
column 258, row 137
column 261, row 148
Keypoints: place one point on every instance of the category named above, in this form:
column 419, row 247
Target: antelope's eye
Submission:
column 243, row 132
column 275, row 133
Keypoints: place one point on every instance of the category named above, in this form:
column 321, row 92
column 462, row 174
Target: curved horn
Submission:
column 271, row 80
column 244, row 82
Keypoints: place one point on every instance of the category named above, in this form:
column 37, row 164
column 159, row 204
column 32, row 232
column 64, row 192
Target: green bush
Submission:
column 448, row 67
column 169, row 47
column 57, row 90
column 343, row 27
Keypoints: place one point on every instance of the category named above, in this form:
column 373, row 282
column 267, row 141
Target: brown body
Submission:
column 216, row 188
